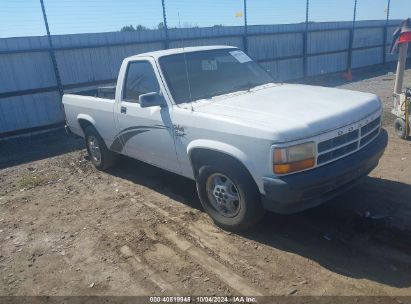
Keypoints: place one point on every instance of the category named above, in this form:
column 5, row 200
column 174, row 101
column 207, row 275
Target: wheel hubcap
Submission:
column 94, row 149
column 223, row 195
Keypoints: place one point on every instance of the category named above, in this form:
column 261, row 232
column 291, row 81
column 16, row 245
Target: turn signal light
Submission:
column 295, row 166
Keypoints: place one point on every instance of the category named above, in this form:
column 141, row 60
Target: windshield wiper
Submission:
column 246, row 86
column 210, row 96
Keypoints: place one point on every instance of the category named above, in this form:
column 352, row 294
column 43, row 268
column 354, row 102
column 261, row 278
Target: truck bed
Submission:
column 98, row 110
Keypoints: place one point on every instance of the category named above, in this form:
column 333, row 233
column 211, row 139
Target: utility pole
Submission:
column 166, row 41
column 245, row 38
column 51, row 50
column 384, row 52
column 305, row 39
column 351, row 42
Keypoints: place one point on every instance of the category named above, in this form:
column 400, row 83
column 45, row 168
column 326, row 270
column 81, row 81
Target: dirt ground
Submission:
column 68, row 229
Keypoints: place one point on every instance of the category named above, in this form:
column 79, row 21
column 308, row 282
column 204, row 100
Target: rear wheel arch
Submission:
column 84, row 123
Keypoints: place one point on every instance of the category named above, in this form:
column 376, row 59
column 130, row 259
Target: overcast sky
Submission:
column 24, row 18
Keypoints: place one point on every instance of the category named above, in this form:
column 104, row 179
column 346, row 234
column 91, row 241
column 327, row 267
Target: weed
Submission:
column 30, row 181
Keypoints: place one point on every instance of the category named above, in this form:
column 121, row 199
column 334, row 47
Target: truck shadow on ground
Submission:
column 20, row 150
column 339, row 237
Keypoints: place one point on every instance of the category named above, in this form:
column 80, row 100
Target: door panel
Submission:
column 145, row 133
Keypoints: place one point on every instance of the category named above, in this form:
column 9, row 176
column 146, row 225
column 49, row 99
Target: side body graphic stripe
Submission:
column 125, row 135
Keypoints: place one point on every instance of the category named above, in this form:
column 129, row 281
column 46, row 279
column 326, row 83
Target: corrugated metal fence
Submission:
column 29, row 95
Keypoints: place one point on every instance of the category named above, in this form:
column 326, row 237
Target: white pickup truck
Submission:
column 214, row 115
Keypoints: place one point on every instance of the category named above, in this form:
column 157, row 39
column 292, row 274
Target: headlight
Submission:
column 294, row 158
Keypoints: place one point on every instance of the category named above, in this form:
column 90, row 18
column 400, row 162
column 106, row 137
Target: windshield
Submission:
column 211, row 73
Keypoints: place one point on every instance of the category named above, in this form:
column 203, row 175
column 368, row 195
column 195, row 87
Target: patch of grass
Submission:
column 30, row 181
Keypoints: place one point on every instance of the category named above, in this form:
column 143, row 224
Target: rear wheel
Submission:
column 229, row 195
column 101, row 157
column 400, row 128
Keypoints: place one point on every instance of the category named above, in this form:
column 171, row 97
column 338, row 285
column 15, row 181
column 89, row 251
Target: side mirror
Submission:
column 151, row 100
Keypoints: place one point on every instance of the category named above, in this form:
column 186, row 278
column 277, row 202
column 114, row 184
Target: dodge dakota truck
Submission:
column 214, row 115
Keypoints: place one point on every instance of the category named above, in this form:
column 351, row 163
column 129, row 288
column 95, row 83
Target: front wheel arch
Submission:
column 202, row 156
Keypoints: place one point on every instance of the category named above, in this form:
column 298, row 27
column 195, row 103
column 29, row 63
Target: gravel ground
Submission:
column 68, row 229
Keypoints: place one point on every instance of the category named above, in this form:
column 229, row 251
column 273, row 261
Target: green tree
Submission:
column 141, row 28
column 127, row 28
column 130, row 28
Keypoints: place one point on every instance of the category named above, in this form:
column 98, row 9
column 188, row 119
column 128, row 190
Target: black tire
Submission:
column 399, row 127
column 107, row 159
column 250, row 211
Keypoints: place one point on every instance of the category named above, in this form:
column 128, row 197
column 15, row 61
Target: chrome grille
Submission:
column 337, row 153
column 337, row 141
column 366, row 139
column 339, row 146
column 367, row 128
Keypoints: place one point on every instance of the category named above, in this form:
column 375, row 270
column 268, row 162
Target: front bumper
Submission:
column 297, row 192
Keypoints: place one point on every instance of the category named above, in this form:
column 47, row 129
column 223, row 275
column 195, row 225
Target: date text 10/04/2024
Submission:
column 203, row 299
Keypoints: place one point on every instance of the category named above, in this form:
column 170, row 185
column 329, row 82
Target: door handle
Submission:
column 123, row 110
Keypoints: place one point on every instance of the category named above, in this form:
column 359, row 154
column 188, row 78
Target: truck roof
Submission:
column 160, row 53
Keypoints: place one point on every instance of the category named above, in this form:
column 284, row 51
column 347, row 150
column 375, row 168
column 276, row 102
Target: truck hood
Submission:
column 293, row 112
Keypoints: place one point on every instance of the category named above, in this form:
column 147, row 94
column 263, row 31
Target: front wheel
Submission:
column 229, row 196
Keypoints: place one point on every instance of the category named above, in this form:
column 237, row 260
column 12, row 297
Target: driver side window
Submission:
column 140, row 79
